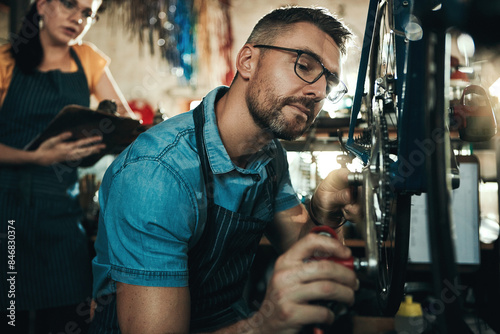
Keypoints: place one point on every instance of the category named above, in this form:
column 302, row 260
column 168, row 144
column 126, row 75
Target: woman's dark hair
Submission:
column 25, row 46
column 274, row 24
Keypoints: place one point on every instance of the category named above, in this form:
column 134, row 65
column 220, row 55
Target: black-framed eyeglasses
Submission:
column 71, row 7
column 310, row 69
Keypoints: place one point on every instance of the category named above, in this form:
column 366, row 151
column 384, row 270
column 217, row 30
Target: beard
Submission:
column 268, row 113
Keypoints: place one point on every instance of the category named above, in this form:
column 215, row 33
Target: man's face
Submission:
column 278, row 100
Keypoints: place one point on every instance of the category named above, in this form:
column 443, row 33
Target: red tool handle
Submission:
column 328, row 231
column 349, row 263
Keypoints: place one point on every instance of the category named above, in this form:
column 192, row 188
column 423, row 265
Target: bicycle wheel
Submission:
column 387, row 210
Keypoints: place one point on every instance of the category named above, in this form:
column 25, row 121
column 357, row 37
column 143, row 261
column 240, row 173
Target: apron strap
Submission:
column 199, row 121
column 77, row 60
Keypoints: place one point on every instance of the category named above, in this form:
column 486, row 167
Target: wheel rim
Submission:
column 386, row 241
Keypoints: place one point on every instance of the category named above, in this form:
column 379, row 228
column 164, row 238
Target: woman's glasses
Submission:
column 71, row 7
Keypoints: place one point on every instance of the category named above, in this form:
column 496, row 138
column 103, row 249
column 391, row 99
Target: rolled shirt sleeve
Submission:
column 149, row 228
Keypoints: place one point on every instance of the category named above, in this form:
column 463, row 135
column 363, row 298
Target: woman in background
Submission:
column 46, row 276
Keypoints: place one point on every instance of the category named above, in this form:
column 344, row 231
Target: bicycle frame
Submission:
column 422, row 162
column 408, row 171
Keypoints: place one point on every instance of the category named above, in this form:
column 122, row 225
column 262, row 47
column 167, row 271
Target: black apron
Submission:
column 220, row 261
column 52, row 259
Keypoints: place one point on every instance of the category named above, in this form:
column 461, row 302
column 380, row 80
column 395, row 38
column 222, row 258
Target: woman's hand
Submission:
column 58, row 149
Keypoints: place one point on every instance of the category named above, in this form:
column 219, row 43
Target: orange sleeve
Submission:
column 93, row 61
column 6, row 70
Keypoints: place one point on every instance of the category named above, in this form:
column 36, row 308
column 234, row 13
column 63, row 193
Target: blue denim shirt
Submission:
column 152, row 202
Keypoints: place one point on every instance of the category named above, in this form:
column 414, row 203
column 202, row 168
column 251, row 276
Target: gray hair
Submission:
column 269, row 27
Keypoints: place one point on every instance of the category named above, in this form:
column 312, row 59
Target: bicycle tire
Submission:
column 394, row 230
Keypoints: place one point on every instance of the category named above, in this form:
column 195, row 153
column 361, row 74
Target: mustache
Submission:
column 308, row 103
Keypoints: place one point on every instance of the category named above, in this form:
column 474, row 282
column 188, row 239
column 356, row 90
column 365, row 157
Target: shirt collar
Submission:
column 217, row 155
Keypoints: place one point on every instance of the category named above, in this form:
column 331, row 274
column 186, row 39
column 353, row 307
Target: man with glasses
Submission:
column 184, row 208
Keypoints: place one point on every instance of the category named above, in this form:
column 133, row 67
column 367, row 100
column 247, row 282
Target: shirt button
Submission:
column 256, row 178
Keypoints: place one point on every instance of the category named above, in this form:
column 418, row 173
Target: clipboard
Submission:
column 117, row 132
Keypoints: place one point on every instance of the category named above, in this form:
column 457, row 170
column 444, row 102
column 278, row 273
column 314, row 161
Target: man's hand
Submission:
column 334, row 198
column 295, row 283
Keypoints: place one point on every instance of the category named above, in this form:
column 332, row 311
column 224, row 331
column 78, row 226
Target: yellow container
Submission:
column 409, row 319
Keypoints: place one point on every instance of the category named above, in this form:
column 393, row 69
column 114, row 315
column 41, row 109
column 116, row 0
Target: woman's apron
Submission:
column 52, row 263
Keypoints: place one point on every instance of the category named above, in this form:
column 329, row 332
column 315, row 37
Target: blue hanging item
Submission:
column 184, row 19
column 169, row 25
